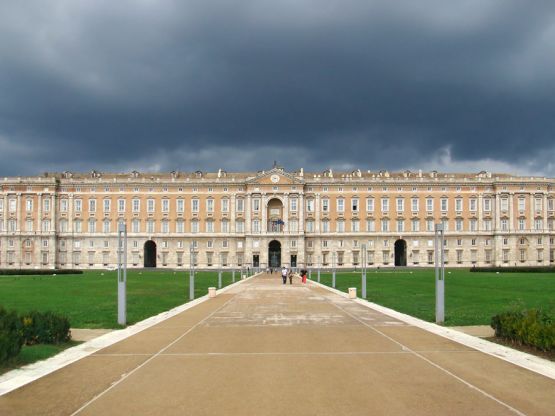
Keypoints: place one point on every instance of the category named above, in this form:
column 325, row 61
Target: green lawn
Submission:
column 90, row 300
column 33, row 353
column 470, row 298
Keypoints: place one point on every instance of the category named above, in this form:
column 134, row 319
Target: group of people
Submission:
column 288, row 273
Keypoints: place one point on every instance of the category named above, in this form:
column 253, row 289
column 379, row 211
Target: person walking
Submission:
column 303, row 276
column 284, row 274
column 290, row 277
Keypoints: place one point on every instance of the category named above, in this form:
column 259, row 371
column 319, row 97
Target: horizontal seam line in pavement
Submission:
column 201, row 354
column 126, row 376
column 439, row 367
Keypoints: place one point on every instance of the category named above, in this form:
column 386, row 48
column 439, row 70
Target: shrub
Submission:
column 45, row 328
column 38, row 272
column 531, row 327
column 516, row 269
column 11, row 338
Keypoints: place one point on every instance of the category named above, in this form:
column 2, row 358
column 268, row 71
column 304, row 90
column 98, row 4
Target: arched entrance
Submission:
column 274, row 253
column 400, row 253
column 150, row 254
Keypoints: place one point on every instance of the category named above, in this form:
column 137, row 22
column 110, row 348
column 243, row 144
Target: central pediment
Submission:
column 274, row 176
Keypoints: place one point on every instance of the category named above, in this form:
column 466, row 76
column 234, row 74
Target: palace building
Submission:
column 273, row 218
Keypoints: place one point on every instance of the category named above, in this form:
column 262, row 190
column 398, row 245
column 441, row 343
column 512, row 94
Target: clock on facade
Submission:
column 274, row 178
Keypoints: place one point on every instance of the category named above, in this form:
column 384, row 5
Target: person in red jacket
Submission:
column 303, row 275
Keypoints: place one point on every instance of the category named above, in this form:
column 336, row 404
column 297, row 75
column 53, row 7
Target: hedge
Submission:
column 11, row 338
column 517, row 269
column 39, row 271
column 533, row 327
column 45, row 328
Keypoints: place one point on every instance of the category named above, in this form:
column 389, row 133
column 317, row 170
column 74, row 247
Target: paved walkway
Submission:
column 267, row 349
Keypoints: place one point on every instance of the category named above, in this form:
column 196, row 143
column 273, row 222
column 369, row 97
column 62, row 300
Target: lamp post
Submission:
column 333, row 270
column 440, row 273
column 122, row 273
column 363, row 260
column 191, row 272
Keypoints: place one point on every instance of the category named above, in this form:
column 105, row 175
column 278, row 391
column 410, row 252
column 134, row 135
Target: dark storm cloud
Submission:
column 370, row 84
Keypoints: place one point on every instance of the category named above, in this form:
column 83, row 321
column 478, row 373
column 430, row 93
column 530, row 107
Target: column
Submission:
column 286, row 212
column 248, row 218
column 264, row 208
column 317, row 212
column 18, row 213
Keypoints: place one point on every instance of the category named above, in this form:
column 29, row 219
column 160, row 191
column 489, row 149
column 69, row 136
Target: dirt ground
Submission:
column 264, row 348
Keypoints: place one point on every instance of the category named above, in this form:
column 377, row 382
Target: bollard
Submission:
column 211, row 292
column 352, row 293
column 244, row 276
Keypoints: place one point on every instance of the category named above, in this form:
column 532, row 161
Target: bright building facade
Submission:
column 275, row 217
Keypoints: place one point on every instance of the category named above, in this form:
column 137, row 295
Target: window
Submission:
column 310, row 226
column 472, row 204
column 354, row 204
column 194, row 226
column 340, row 205
column 538, row 204
column 150, row 226
column 385, row 225
column 415, row 225
column 429, row 225
column 400, row 226
column 45, row 225
column 106, row 226
column 370, row 225
column 521, row 204
column 325, row 205
column 340, row 225
column 195, row 205
column 165, row 226
column 414, row 204
column 504, row 224
column 1, row 205
column 165, row 205
column 256, row 226
column 180, row 205
column 121, row 205
column 28, row 225
column 107, row 205
column 180, row 226
column 355, row 226
column 78, row 226
column 209, row 205
column 256, row 204
column 473, row 224
column 310, row 205
column 538, row 224
column 458, row 204
column 459, row 224
column 225, row 205
column 136, row 205
column 400, row 204
column 487, row 204
column 150, row 205
column 240, row 203
column 78, row 204
column 45, row 205
column 429, row 204
column 504, row 204
column 444, row 204
column 240, row 226
column 521, row 223
column 224, row 227
column 325, row 226
column 209, row 226
column 487, row 225
column 370, row 205
column 385, row 204
column 293, row 202
column 28, row 205
column 136, row 225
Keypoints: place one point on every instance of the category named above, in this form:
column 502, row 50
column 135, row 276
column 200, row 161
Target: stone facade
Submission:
column 68, row 220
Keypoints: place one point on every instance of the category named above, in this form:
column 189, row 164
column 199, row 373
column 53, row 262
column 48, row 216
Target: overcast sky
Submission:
column 157, row 85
